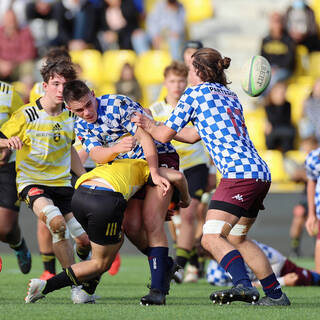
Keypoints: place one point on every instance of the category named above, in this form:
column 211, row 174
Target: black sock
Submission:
column 183, row 256
column 49, row 262
column 193, row 260
column 18, row 246
column 63, row 279
column 83, row 252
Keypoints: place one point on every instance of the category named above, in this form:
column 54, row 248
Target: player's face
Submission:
column 54, row 88
column 175, row 85
column 193, row 79
column 85, row 108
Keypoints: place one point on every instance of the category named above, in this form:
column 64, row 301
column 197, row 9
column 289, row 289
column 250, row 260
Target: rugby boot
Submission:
column 155, row 297
column 267, row 301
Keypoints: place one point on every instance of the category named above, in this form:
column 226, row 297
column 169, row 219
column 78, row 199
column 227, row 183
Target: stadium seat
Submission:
column 315, row 5
column 113, row 61
column 255, row 122
column 297, row 155
column 91, row 64
column 274, row 160
column 314, row 64
column 105, row 88
column 197, row 10
column 302, row 61
column 296, row 94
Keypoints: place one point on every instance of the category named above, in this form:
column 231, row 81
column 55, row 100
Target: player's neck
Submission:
column 171, row 101
column 50, row 107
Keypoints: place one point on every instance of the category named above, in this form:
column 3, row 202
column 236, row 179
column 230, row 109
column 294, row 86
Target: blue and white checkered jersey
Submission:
column 113, row 123
column 312, row 165
column 217, row 115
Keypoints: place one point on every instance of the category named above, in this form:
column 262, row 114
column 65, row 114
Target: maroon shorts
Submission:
column 167, row 160
column 240, row 197
column 304, row 275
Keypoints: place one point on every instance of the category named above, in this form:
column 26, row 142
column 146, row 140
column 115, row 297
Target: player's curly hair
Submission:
column 61, row 68
column 210, row 66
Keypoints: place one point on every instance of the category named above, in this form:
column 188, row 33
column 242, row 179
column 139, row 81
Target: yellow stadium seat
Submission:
column 105, row 88
column 91, row 64
column 274, row 160
column 315, row 5
column 150, row 66
column 296, row 95
column 314, row 64
column 297, row 155
column 113, row 61
column 197, row 10
column 302, row 61
column 149, row 4
column 255, row 122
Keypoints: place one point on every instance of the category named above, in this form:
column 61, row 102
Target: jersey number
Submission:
column 232, row 112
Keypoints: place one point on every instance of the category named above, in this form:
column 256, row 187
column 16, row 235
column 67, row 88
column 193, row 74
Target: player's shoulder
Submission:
column 313, row 155
column 6, row 88
column 160, row 107
column 31, row 112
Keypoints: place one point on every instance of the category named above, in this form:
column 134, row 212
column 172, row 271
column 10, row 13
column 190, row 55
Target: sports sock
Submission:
column 315, row 278
column 17, row 246
column 233, row 263
column 49, row 261
column 63, row 279
column 182, row 257
column 145, row 251
column 271, row 286
column 158, row 262
column 193, row 260
column 83, row 252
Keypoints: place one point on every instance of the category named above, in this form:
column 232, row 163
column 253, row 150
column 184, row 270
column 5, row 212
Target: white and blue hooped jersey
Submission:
column 312, row 165
column 217, row 114
column 113, row 123
column 217, row 276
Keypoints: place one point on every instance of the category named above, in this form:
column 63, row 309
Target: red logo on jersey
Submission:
column 35, row 191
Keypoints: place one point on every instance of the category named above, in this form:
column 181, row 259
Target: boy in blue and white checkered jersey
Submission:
column 218, row 120
column 312, row 165
column 105, row 129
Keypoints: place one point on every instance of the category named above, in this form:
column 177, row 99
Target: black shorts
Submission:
column 60, row 196
column 8, row 187
column 166, row 160
column 100, row 214
column 197, row 178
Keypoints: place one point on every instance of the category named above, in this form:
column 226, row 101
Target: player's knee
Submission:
column 216, row 227
column 76, row 231
column 131, row 227
column 55, row 223
column 299, row 211
column 102, row 265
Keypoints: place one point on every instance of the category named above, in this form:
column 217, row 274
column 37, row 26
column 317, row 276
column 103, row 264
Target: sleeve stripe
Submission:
column 2, row 135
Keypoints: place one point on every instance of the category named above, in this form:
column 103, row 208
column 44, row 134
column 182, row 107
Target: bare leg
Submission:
column 9, row 227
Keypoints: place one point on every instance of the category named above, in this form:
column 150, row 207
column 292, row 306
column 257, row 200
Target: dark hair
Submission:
column 57, row 53
column 61, row 68
column 74, row 90
column 176, row 67
column 210, row 65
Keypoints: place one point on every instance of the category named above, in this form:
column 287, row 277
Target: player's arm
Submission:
column 311, row 223
column 101, row 154
column 178, row 179
column 76, row 164
column 156, row 129
column 187, row 135
column 151, row 155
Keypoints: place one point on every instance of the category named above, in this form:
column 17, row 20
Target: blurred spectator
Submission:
column 190, row 47
column 19, row 8
column 166, row 27
column 40, row 15
column 301, row 25
column 118, row 20
column 309, row 125
column 77, row 25
column 17, row 50
column 128, row 84
column 280, row 132
column 279, row 49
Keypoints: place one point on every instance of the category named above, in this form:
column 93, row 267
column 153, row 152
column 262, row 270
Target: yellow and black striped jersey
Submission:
column 45, row 157
column 190, row 154
column 36, row 92
column 10, row 101
column 126, row 176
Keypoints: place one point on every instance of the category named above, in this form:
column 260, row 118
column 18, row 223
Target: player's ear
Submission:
column 67, row 106
column 93, row 94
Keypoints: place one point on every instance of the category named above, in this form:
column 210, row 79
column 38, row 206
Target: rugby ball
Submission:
column 255, row 76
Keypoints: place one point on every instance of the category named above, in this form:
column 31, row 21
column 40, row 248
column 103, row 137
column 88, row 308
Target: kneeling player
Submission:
column 99, row 203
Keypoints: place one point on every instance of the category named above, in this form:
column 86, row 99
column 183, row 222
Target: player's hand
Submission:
column 290, row 279
column 14, row 143
column 126, row 144
column 312, row 225
column 162, row 182
column 142, row 121
column 4, row 156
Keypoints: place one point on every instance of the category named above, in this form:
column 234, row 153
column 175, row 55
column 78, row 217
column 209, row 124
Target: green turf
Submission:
column 120, row 296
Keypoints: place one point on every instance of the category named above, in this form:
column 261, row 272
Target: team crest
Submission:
column 56, row 132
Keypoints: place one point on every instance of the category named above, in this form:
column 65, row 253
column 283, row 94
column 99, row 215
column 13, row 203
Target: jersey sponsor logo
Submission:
column 35, row 192
column 238, row 197
column 56, row 132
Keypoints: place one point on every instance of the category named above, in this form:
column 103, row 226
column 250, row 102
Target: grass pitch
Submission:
column 120, row 297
